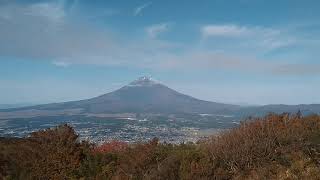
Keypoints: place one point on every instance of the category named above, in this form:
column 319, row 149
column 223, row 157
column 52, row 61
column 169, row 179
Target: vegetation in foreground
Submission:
column 274, row 147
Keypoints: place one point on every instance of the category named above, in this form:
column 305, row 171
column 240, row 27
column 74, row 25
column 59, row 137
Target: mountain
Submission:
column 279, row 108
column 146, row 95
column 143, row 95
column 17, row 105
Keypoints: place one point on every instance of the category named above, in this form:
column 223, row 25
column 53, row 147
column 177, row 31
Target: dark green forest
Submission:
column 273, row 147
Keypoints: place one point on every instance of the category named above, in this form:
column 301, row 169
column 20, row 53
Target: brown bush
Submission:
column 268, row 142
column 47, row 154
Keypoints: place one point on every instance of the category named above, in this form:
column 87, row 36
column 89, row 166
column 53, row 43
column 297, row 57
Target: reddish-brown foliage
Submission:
column 113, row 146
column 49, row 154
column 264, row 142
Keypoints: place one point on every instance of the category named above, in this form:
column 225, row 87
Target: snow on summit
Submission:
column 144, row 81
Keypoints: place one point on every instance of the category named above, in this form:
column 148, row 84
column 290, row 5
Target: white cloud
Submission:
column 52, row 11
column 61, row 63
column 247, row 38
column 233, row 30
column 27, row 32
column 225, row 30
column 31, row 33
column 138, row 10
column 156, row 29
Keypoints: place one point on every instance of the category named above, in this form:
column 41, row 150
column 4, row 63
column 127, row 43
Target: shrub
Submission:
column 270, row 142
column 47, row 154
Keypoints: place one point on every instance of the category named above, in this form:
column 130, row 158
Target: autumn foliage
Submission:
column 51, row 153
column 113, row 146
column 273, row 147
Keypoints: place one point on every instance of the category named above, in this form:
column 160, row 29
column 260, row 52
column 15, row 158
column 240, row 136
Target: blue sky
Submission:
column 232, row 51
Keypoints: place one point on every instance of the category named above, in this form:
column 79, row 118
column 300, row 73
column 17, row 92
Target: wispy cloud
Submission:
column 248, row 37
column 27, row 32
column 208, row 60
column 297, row 69
column 138, row 10
column 225, row 31
column 233, row 31
column 52, row 11
column 106, row 13
column 61, row 63
column 34, row 34
column 154, row 30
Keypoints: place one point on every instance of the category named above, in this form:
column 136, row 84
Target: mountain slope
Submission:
column 141, row 95
column 145, row 95
column 279, row 108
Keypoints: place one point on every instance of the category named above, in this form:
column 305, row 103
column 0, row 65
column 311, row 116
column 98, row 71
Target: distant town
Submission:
column 168, row 128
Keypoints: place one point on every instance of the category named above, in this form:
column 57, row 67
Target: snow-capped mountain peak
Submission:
column 144, row 81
